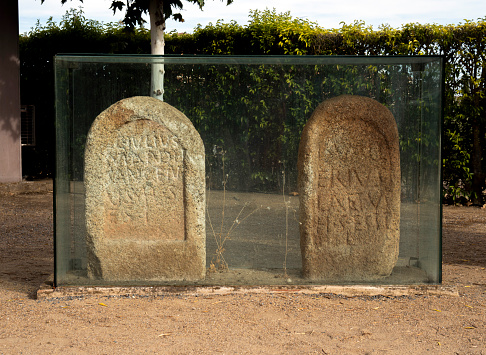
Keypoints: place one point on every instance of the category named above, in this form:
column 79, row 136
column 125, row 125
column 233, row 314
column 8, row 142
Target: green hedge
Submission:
column 267, row 32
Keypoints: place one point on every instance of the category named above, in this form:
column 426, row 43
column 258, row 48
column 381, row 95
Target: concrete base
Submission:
column 47, row 291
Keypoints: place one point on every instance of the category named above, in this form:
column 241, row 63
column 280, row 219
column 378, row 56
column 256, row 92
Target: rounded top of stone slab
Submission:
column 147, row 108
column 334, row 111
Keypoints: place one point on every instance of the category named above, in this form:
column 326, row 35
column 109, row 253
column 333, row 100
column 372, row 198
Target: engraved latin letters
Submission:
column 144, row 183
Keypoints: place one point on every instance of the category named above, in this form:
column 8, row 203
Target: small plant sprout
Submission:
column 218, row 261
column 287, row 205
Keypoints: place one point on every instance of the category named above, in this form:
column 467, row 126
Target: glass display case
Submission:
column 250, row 112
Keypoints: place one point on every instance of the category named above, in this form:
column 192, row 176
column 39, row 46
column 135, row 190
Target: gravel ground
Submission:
column 238, row 323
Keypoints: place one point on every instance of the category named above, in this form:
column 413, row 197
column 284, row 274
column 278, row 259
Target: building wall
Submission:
column 10, row 147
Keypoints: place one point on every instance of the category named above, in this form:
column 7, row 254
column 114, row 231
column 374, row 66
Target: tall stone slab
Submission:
column 145, row 194
column 349, row 187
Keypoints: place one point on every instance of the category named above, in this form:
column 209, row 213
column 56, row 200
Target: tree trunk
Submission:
column 477, row 157
column 157, row 28
column 478, row 141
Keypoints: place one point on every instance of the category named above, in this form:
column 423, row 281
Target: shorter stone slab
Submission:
column 349, row 187
column 145, row 194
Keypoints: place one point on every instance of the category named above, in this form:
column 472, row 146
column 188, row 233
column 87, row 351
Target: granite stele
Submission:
column 145, row 194
column 349, row 183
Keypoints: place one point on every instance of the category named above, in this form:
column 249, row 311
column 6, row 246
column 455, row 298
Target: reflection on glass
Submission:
column 250, row 112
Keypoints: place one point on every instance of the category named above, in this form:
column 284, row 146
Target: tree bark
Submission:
column 478, row 141
column 477, row 157
column 157, row 29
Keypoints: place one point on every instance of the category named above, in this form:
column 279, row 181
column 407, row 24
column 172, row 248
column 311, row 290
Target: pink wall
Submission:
column 10, row 149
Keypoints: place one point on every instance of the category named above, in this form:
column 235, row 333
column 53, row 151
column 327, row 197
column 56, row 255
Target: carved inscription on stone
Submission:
column 349, row 182
column 144, row 194
column 352, row 198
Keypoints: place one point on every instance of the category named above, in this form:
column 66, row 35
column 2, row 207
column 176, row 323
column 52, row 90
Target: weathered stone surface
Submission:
column 349, row 184
column 145, row 194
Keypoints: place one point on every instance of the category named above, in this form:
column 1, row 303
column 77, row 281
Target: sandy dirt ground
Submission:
column 238, row 323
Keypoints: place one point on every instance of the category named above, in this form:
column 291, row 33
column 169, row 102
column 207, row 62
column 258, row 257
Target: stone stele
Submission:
column 145, row 194
column 349, row 187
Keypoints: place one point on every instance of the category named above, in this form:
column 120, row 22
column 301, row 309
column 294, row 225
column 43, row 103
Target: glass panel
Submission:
column 250, row 112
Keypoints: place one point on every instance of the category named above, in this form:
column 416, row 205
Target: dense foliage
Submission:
column 463, row 46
